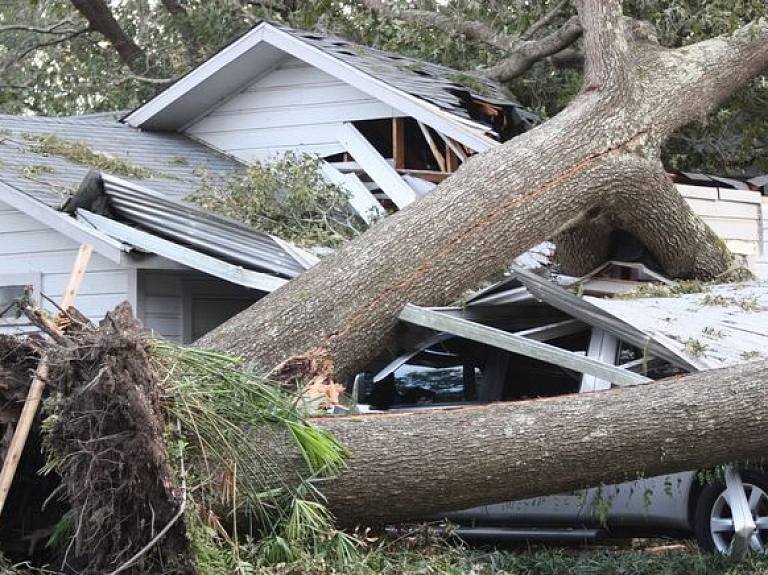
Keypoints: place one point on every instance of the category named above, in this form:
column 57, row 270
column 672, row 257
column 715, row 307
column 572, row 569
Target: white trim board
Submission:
column 376, row 166
column 186, row 256
column 518, row 344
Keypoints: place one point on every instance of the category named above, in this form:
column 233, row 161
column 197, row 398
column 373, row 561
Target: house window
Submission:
column 8, row 295
column 11, row 288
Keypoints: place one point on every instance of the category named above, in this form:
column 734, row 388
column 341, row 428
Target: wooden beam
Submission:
column 428, row 175
column 455, row 148
column 77, row 275
column 375, row 166
column 398, row 142
column 439, row 158
column 35, row 393
column 518, row 344
column 451, row 161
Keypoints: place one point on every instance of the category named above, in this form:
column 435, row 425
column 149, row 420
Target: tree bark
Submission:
column 599, row 156
column 418, row 464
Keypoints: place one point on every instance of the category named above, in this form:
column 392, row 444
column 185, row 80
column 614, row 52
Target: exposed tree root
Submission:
column 108, row 437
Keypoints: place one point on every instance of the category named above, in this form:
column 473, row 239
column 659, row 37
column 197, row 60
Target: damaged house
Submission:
column 387, row 128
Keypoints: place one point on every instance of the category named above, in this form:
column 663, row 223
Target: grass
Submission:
column 415, row 556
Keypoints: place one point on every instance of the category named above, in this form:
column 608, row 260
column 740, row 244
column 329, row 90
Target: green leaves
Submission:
column 288, row 198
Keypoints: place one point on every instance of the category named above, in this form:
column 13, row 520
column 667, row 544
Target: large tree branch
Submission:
column 31, row 49
column 472, row 28
column 100, row 17
column 52, row 29
column 705, row 74
column 534, row 448
column 544, row 20
column 527, row 53
column 605, row 44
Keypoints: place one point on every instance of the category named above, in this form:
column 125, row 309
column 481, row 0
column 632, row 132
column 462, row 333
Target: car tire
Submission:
column 713, row 512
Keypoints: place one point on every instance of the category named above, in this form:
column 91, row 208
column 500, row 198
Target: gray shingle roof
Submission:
column 174, row 163
column 449, row 89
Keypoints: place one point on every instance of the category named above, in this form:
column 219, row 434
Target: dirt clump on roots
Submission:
column 107, row 437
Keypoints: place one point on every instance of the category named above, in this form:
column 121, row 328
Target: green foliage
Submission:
column 82, row 153
column 226, row 415
column 288, row 198
column 51, row 73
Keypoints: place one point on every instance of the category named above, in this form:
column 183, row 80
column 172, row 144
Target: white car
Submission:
column 455, row 371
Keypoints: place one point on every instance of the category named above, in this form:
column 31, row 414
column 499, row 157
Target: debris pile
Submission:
column 124, row 417
column 107, row 438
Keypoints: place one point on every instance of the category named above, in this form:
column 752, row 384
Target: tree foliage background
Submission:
column 55, row 58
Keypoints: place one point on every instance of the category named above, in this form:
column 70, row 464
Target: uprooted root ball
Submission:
column 107, row 437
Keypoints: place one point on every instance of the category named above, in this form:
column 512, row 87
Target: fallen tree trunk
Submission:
column 593, row 168
column 409, row 465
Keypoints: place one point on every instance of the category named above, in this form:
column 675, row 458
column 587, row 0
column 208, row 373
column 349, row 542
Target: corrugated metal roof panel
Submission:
column 214, row 235
column 588, row 312
column 726, row 325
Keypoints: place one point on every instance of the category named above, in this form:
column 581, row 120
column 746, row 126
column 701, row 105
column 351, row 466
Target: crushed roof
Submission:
column 725, row 325
column 447, row 88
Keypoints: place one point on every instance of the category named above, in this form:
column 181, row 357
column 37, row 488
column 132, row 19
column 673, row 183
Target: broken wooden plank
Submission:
column 398, row 142
column 375, row 166
column 21, row 433
column 518, row 344
column 77, row 275
column 361, row 199
column 439, row 158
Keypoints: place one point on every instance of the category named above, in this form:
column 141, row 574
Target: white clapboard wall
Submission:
column 294, row 107
column 33, row 254
column 734, row 215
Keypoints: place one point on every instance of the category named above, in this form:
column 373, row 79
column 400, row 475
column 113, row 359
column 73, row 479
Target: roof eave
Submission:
column 154, row 114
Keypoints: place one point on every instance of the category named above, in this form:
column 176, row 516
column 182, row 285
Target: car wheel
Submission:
column 713, row 523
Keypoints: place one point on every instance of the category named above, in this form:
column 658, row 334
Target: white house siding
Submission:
column 31, row 251
column 293, row 107
column 161, row 300
column 734, row 215
column 760, row 262
column 172, row 304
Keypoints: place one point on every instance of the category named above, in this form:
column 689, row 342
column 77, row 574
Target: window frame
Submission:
column 33, row 279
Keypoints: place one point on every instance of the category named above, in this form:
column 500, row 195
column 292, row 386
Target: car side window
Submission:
column 414, row 385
